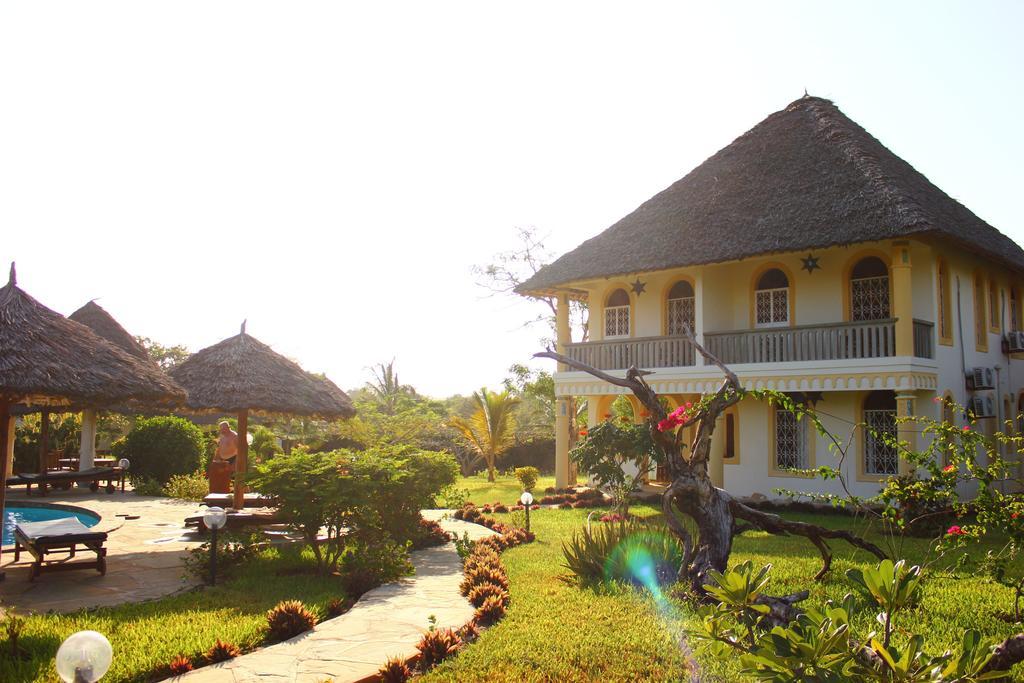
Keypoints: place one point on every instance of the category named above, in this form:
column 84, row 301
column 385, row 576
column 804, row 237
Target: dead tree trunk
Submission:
column 691, row 493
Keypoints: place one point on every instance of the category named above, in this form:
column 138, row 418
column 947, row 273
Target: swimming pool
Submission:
column 41, row 512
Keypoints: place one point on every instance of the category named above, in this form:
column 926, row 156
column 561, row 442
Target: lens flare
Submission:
column 647, row 559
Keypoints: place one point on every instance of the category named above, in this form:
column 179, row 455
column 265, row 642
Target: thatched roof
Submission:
column 806, row 177
column 242, row 373
column 47, row 359
column 93, row 316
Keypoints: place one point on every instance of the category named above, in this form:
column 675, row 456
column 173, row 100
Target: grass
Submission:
column 505, row 489
column 556, row 630
column 146, row 636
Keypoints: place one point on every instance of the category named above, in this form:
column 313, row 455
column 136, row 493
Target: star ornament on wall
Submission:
column 810, row 263
column 638, row 287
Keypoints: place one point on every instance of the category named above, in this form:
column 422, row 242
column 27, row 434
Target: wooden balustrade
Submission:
column 837, row 341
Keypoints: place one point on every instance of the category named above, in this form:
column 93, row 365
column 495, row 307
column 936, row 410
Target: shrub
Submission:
column 609, row 552
column 146, row 486
column 482, row 556
column 288, row 619
column 565, row 506
column 469, row 632
column 429, row 534
column 480, row 593
column 368, row 565
column 180, row 665
column 453, row 497
column 221, row 652
column 338, row 606
column 527, row 477
column 482, row 575
column 491, row 611
column 437, row 646
column 395, row 670
column 501, row 508
column 233, row 550
column 160, row 447
column 187, row 486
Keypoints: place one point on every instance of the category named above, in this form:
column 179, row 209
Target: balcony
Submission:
column 838, row 341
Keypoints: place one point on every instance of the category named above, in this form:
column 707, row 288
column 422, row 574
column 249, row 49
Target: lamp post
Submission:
column 124, row 464
column 84, row 657
column 214, row 518
column 527, row 500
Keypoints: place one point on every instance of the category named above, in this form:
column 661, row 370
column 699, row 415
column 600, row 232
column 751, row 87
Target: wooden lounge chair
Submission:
column 65, row 479
column 59, row 536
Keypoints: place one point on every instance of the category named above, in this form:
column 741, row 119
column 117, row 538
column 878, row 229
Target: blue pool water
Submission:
column 24, row 513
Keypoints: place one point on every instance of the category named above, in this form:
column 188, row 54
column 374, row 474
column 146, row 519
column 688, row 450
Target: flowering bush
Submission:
column 606, row 449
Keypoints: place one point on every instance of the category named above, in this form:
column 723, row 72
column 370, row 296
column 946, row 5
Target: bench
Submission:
column 65, row 535
column 65, row 479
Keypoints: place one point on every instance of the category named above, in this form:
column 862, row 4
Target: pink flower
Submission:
column 667, row 424
column 966, row 428
column 955, row 531
column 949, row 468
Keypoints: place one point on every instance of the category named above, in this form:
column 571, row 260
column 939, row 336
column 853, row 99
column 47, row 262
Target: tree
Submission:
column 165, row 356
column 490, row 430
column 536, row 391
column 385, row 388
column 716, row 514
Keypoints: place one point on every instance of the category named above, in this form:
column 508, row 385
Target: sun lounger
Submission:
column 59, row 536
column 252, row 500
column 65, row 479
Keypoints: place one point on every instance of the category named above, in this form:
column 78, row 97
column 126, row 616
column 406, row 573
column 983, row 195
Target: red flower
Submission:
column 966, row 428
column 955, row 531
column 583, row 432
column 949, row 468
column 667, row 424
column 1013, row 515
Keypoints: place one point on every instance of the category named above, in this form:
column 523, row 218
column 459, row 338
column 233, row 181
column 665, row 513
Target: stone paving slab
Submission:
column 144, row 555
column 386, row 622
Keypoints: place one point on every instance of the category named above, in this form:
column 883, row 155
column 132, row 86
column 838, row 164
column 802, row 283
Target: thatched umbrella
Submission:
column 244, row 376
column 48, row 360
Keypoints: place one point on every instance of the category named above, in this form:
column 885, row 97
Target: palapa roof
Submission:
column 93, row 316
column 47, row 359
column 807, row 177
column 242, row 373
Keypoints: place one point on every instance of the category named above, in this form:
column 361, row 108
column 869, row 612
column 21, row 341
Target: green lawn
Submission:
column 147, row 635
column 558, row 631
column 505, row 490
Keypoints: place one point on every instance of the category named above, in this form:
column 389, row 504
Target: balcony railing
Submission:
column 643, row 352
column 836, row 341
column 840, row 341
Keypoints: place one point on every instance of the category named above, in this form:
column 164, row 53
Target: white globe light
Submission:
column 124, row 463
column 526, row 498
column 248, row 438
column 215, row 517
column 84, row 656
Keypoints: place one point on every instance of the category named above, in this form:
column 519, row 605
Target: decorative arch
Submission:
column 862, row 266
column 679, row 305
column 772, row 299
column 618, row 306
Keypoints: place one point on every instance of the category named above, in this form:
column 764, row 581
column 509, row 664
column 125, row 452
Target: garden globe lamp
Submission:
column 214, row 518
column 124, row 464
column 527, row 500
column 84, row 657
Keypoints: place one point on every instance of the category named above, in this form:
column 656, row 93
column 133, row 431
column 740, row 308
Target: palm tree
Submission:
column 385, row 388
column 490, row 430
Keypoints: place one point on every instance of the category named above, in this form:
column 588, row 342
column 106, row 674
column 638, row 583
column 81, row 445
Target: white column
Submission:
column 563, row 472
column 87, row 449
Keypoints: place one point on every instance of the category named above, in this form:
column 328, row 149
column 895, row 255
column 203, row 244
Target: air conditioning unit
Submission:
column 982, row 406
column 981, row 378
column 1014, row 342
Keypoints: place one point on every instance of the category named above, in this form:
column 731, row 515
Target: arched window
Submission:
column 869, row 290
column 616, row 314
column 945, row 307
column 980, row 323
column 679, row 308
column 880, row 454
column 771, row 300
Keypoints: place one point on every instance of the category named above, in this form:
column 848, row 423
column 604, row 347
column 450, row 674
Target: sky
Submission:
column 331, row 172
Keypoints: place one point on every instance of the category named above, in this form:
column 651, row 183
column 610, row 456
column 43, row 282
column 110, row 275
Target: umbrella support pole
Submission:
column 5, row 438
column 241, row 459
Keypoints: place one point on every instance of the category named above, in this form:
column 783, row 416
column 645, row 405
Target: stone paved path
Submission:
column 387, row 621
column 144, row 555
